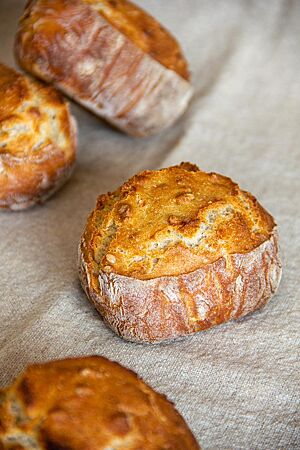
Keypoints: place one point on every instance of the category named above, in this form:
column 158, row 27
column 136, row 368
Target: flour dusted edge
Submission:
column 169, row 307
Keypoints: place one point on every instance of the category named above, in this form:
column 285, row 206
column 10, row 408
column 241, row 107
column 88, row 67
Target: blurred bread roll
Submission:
column 37, row 140
column 88, row 403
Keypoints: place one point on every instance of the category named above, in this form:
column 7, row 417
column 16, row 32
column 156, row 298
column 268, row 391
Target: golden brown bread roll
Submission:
column 37, row 140
column 110, row 56
column 176, row 251
column 88, row 404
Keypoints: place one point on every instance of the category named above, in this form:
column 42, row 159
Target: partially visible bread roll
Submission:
column 37, row 140
column 176, row 251
column 88, row 404
column 110, row 56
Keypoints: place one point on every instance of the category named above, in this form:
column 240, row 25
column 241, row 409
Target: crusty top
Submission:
column 32, row 116
column 35, row 128
column 141, row 28
column 172, row 221
column 88, row 404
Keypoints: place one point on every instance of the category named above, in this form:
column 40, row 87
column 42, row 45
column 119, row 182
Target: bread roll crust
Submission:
column 37, row 140
column 142, row 29
column 238, row 274
column 88, row 403
column 97, row 53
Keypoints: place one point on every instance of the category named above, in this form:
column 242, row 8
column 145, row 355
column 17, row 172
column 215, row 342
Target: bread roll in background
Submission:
column 88, row 403
column 37, row 140
column 111, row 57
column 176, row 251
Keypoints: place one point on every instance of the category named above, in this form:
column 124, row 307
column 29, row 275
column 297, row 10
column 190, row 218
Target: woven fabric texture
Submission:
column 236, row 385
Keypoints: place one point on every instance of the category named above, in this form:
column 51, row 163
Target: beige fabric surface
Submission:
column 237, row 385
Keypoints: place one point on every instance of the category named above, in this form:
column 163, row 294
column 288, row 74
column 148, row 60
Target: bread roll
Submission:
column 110, row 56
column 176, row 251
column 37, row 140
column 88, row 404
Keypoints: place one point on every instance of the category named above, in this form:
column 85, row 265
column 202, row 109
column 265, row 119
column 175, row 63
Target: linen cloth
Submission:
column 236, row 385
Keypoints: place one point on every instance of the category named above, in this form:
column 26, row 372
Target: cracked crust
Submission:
column 152, row 278
column 109, row 56
column 88, row 403
column 37, row 141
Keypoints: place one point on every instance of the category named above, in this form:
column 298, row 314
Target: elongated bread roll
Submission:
column 110, row 56
column 176, row 251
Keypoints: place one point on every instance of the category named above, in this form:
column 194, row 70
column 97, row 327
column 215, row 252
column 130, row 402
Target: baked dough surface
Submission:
column 88, row 403
column 173, row 221
column 109, row 56
column 37, row 140
column 142, row 29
